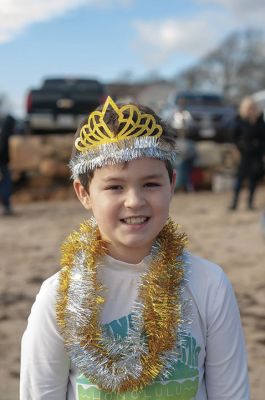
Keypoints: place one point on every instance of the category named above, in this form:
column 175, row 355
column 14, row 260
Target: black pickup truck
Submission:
column 61, row 104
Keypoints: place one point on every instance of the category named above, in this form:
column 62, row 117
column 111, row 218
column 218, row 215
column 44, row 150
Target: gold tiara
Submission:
column 138, row 136
column 134, row 124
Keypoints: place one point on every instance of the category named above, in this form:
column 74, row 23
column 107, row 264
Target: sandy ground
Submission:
column 29, row 253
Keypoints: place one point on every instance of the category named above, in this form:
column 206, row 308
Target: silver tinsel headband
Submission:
column 122, row 151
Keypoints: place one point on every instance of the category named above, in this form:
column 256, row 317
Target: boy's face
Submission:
column 131, row 204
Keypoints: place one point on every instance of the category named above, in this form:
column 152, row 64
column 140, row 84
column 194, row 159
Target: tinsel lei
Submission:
column 151, row 346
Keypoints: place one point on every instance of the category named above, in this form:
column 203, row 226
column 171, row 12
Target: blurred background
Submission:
column 192, row 62
column 60, row 59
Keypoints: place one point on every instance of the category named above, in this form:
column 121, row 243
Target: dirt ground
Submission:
column 29, row 253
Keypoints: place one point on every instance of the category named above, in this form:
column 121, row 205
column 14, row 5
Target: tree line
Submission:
column 235, row 68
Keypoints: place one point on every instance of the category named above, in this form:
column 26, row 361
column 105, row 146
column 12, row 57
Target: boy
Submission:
column 131, row 315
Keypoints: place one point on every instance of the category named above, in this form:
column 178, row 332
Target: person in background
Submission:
column 186, row 158
column 8, row 128
column 187, row 154
column 249, row 137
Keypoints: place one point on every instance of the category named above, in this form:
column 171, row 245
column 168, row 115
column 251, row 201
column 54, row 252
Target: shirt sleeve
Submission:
column 226, row 365
column 44, row 363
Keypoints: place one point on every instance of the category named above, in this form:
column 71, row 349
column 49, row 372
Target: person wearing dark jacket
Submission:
column 7, row 130
column 249, row 137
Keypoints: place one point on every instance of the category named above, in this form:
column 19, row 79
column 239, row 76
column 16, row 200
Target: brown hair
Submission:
column 111, row 119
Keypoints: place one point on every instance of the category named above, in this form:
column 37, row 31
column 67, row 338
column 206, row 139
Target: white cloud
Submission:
column 236, row 5
column 246, row 12
column 195, row 36
column 157, row 40
column 16, row 15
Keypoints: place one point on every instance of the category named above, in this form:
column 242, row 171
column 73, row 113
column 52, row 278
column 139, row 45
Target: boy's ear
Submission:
column 82, row 194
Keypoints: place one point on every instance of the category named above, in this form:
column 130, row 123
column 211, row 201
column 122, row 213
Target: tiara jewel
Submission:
column 132, row 124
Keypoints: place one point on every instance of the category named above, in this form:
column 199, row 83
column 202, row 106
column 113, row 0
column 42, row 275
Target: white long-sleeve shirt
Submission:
column 212, row 365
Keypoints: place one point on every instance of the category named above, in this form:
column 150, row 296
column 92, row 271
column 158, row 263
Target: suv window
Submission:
column 198, row 99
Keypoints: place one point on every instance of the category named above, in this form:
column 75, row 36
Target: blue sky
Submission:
column 107, row 39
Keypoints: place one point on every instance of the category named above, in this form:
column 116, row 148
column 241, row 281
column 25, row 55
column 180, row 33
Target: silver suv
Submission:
column 200, row 115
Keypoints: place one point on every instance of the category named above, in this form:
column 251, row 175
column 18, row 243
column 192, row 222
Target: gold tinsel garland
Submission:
column 120, row 365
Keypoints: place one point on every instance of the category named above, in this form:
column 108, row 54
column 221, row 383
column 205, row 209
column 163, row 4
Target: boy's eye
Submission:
column 152, row 184
column 113, row 187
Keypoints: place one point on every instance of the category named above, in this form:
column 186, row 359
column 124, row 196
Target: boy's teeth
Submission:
column 135, row 220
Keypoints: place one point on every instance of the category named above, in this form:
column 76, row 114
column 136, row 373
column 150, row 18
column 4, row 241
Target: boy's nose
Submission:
column 134, row 199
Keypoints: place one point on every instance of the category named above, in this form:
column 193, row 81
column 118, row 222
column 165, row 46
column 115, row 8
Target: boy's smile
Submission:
column 136, row 220
column 130, row 202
